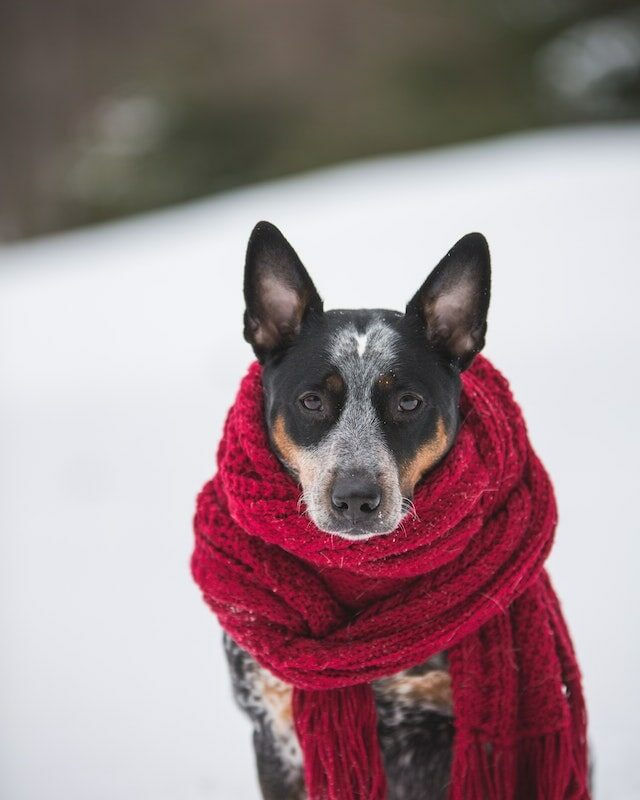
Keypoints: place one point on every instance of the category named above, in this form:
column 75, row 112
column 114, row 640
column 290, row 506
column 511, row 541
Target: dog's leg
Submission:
column 417, row 757
column 267, row 702
column 278, row 781
column 415, row 728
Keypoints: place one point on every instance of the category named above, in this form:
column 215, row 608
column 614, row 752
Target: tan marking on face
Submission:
column 433, row 688
column 385, row 381
column 291, row 454
column 285, row 445
column 277, row 698
column 428, row 454
column 334, row 383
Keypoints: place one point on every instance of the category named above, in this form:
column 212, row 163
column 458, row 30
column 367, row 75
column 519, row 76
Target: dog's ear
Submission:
column 453, row 302
column 278, row 292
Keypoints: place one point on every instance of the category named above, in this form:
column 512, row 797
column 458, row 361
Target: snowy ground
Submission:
column 120, row 350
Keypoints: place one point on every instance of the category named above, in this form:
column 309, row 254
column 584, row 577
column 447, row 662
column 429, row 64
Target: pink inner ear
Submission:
column 280, row 312
column 450, row 317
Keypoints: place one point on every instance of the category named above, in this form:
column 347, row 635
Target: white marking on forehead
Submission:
column 361, row 358
column 350, row 346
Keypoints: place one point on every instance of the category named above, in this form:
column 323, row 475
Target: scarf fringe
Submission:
column 545, row 767
column 337, row 730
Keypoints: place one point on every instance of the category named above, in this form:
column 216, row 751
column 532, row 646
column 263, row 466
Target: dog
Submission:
column 359, row 406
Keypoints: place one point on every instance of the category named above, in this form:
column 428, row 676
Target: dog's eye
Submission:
column 312, row 402
column 409, row 402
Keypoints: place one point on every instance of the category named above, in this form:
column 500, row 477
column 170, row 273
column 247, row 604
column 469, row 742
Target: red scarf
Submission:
column 329, row 616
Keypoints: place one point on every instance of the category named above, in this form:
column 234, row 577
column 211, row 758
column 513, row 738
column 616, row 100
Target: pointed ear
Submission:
column 278, row 291
column 453, row 302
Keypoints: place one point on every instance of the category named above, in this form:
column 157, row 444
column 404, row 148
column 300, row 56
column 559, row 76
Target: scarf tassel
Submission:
column 537, row 768
column 337, row 730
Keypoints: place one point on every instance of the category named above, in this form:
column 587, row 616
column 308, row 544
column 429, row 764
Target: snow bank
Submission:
column 120, row 350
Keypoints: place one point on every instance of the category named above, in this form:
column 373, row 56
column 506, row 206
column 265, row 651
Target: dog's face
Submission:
column 360, row 405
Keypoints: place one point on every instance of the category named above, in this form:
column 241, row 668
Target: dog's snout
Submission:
column 355, row 496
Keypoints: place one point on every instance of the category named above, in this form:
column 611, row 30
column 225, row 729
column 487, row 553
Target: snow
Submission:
column 120, row 350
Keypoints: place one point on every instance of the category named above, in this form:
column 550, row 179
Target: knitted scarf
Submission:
column 465, row 576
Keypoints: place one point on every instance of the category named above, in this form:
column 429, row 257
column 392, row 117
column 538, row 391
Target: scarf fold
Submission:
column 466, row 575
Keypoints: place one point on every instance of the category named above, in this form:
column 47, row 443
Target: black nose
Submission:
column 355, row 496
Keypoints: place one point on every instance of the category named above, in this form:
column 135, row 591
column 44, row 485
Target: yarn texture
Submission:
column 466, row 576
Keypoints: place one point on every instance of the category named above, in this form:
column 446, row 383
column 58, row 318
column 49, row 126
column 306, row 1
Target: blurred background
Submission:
column 114, row 108
column 374, row 135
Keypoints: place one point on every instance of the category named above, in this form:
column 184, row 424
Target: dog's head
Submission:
column 360, row 405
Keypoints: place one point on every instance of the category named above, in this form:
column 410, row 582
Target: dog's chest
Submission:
column 404, row 701
column 415, row 692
